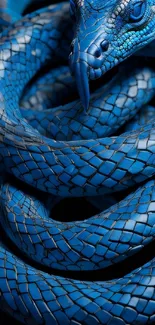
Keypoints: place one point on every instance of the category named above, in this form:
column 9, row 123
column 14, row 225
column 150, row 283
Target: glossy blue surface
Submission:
column 55, row 149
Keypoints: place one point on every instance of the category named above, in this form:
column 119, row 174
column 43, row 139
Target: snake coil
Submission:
column 64, row 151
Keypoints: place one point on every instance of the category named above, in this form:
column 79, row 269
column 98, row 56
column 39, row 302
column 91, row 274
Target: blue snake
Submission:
column 73, row 149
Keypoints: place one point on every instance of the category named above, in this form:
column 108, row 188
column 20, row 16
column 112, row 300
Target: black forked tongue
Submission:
column 82, row 81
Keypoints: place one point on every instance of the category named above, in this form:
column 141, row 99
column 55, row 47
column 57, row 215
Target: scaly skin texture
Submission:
column 88, row 245
column 53, row 88
column 35, row 297
column 73, row 168
column 107, row 32
column 66, row 165
column 110, row 107
column 143, row 117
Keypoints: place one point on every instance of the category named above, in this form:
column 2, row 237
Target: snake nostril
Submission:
column 97, row 53
column 105, row 45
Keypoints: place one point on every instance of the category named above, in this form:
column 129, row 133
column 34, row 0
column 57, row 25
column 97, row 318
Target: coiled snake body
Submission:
column 81, row 167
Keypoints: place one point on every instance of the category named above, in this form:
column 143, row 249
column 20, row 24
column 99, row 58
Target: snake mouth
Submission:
column 84, row 74
column 85, row 67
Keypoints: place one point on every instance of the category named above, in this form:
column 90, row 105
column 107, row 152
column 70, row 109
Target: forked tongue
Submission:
column 82, row 81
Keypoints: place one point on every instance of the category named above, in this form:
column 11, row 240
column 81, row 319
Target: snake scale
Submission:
column 54, row 146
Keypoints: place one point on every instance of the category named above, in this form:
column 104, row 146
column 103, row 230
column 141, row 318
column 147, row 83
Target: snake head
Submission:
column 106, row 33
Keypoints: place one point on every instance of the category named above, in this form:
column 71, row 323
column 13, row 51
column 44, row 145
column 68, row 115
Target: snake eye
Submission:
column 137, row 11
column 73, row 8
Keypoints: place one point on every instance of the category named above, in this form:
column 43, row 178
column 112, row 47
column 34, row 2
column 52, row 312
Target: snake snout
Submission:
column 96, row 51
column 86, row 59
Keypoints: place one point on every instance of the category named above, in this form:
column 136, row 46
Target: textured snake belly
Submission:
column 66, row 152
